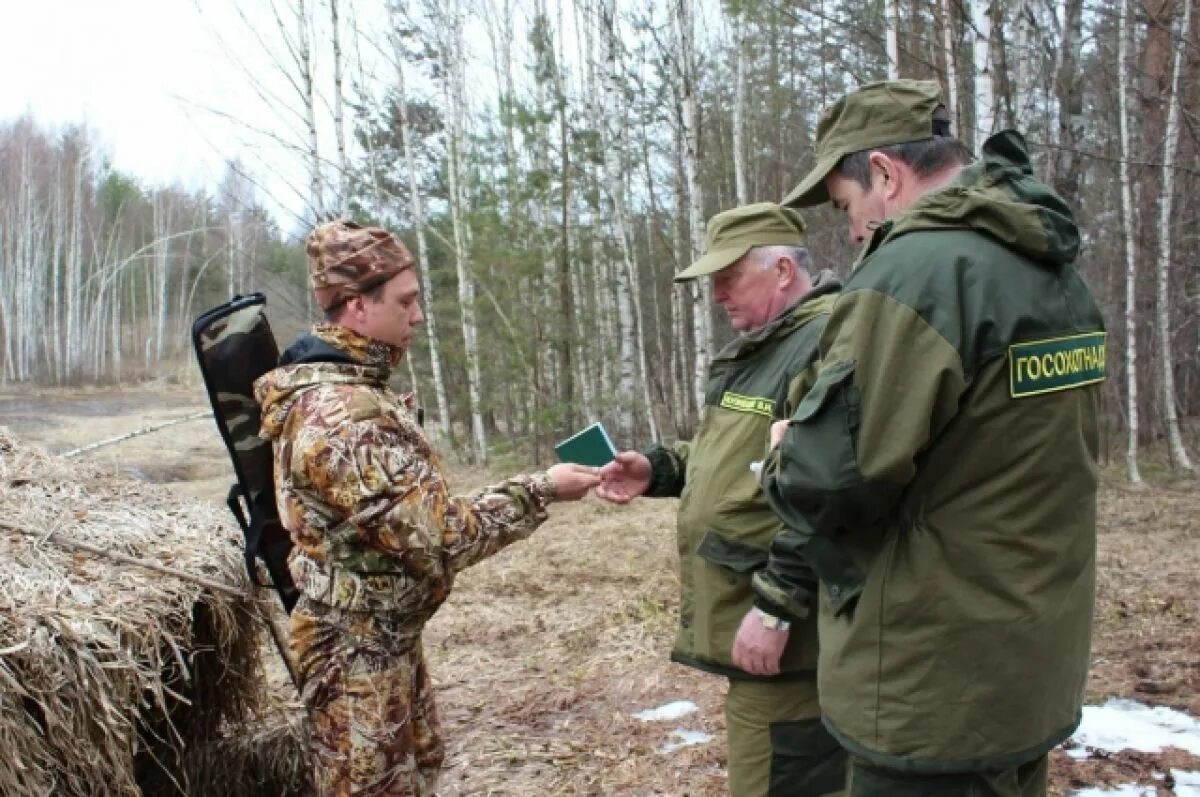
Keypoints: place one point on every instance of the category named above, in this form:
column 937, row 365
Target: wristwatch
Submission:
column 772, row 622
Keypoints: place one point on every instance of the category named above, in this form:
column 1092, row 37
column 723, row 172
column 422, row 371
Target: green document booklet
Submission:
column 592, row 446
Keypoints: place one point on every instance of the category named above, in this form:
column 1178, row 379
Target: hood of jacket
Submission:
column 327, row 355
column 996, row 195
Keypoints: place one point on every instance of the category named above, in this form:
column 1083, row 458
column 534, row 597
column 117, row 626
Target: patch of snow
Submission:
column 1187, row 784
column 683, row 738
column 670, row 711
column 1129, row 790
column 1128, row 725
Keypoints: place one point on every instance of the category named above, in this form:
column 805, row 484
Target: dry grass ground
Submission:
column 543, row 653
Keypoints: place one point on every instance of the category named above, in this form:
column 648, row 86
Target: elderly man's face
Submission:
column 750, row 292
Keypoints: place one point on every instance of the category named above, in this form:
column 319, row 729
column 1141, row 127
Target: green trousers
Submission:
column 1027, row 780
column 777, row 744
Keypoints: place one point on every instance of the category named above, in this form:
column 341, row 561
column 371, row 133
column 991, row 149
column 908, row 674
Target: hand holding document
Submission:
column 591, row 446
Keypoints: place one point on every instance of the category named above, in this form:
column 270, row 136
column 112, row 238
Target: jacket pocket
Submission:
column 827, row 463
column 825, row 388
column 738, row 556
column 720, row 597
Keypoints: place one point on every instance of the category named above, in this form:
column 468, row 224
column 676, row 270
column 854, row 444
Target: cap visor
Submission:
column 811, row 190
column 712, row 262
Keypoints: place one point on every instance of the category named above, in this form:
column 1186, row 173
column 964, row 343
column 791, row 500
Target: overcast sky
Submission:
column 157, row 82
column 143, row 75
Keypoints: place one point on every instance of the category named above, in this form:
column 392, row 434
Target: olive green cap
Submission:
column 875, row 115
column 733, row 233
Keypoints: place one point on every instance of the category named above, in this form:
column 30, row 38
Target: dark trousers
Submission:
column 1027, row 780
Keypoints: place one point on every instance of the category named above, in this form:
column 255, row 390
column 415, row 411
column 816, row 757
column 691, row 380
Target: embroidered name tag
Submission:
column 1044, row 366
column 738, row 403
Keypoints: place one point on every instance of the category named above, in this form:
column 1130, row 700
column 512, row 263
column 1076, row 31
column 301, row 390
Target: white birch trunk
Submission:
column 417, row 208
column 615, row 188
column 305, row 63
column 161, row 264
column 453, row 84
column 339, row 128
column 689, row 120
column 985, row 92
column 685, row 396
column 1179, row 456
column 951, row 53
column 1131, row 385
column 75, row 274
column 741, row 45
column 55, row 342
column 1022, row 73
column 892, row 14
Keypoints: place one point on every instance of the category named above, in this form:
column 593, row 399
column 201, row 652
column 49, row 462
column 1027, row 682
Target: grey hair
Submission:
column 767, row 256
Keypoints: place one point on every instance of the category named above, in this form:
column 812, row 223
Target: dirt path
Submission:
column 544, row 653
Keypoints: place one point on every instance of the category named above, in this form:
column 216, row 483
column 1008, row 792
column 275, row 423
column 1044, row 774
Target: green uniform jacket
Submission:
column 725, row 525
column 940, row 477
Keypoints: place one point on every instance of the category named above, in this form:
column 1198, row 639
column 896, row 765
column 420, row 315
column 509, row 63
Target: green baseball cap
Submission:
column 733, row 233
column 875, row 115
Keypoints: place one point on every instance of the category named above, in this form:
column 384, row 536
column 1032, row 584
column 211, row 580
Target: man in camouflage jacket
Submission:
column 378, row 536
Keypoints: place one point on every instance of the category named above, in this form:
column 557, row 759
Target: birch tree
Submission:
column 689, row 124
column 1178, row 453
column 1068, row 85
column 985, row 89
column 949, row 55
column 417, row 211
column 339, row 126
column 453, row 88
column 892, row 37
column 303, row 57
column 741, row 47
column 1131, row 350
column 615, row 188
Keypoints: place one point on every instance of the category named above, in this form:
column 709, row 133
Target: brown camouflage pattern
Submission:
column 374, row 727
column 378, row 540
column 346, row 259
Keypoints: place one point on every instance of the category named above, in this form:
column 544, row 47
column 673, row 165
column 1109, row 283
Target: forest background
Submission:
column 552, row 165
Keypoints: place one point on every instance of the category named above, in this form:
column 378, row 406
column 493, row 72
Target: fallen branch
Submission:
column 66, row 542
column 135, row 433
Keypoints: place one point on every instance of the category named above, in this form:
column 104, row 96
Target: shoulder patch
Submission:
column 753, row 404
column 1046, row 366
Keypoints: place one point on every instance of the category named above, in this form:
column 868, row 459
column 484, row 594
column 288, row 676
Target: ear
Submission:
column 887, row 172
column 785, row 272
column 356, row 308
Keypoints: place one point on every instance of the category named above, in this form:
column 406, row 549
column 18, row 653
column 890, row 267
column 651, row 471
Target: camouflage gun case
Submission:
column 234, row 345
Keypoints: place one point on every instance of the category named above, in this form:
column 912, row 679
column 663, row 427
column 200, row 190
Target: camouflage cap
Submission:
column 733, row 233
column 875, row 115
column 346, row 259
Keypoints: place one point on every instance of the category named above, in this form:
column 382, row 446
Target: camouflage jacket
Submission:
column 361, row 490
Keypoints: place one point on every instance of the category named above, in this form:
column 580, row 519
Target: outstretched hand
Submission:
column 572, row 482
column 625, row 478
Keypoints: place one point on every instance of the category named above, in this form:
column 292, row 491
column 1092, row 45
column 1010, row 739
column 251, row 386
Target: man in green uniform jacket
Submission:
column 757, row 259
column 940, row 475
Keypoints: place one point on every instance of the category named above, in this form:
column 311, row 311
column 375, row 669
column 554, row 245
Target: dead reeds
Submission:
column 114, row 675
